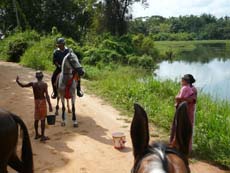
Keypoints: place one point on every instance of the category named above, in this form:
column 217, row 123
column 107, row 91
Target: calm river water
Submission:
column 210, row 66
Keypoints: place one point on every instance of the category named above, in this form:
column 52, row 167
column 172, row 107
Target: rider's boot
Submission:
column 79, row 92
column 54, row 94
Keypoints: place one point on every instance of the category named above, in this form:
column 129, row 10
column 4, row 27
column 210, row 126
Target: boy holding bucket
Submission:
column 40, row 91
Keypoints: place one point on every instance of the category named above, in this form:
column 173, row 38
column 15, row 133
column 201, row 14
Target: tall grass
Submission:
column 40, row 55
column 124, row 86
column 212, row 129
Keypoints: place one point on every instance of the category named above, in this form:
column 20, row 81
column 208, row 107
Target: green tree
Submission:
column 71, row 17
column 117, row 14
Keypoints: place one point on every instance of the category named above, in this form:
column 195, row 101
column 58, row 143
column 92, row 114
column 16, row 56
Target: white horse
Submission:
column 66, row 81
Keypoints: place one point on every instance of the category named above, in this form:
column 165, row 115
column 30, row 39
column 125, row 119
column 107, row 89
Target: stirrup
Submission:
column 80, row 93
column 53, row 95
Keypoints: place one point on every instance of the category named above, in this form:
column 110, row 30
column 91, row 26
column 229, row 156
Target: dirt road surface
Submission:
column 86, row 149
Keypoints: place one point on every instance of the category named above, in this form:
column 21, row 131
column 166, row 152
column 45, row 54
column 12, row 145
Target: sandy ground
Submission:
column 86, row 149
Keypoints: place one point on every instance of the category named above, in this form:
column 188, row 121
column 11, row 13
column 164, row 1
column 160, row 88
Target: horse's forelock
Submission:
column 152, row 164
column 75, row 60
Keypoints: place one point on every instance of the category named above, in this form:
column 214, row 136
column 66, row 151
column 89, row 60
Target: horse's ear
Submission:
column 183, row 128
column 139, row 131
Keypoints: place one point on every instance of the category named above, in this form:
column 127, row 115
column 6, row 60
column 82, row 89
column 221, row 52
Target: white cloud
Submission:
column 168, row 8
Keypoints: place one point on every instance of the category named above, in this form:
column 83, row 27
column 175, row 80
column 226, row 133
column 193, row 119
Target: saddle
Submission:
column 68, row 85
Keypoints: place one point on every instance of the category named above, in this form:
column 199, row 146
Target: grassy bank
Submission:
column 123, row 86
column 176, row 47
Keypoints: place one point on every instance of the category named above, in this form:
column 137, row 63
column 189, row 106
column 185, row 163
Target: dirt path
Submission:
column 87, row 149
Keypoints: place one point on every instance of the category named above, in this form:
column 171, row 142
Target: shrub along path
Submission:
column 86, row 149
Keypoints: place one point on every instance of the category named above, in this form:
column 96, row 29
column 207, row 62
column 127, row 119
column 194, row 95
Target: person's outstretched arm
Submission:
column 23, row 85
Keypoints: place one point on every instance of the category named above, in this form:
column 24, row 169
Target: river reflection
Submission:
column 212, row 77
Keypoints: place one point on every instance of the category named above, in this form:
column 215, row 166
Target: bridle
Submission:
column 161, row 150
column 74, row 68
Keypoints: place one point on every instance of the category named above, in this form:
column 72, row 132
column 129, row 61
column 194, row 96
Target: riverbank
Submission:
column 173, row 48
column 122, row 86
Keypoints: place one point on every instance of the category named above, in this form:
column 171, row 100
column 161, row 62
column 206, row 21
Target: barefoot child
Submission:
column 40, row 91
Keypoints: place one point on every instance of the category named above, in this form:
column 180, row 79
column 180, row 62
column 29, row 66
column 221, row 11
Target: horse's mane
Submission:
column 63, row 63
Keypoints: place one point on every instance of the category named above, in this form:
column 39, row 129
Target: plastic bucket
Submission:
column 51, row 119
column 119, row 140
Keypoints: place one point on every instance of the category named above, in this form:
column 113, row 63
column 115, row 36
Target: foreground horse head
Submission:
column 67, row 84
column 8, row 144
column 160, row 158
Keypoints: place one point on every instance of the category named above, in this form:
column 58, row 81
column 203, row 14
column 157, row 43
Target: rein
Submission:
column 161, row 151
column 67, row 73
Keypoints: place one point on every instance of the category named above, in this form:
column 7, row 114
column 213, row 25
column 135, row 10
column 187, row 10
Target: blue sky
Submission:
column 168, row 8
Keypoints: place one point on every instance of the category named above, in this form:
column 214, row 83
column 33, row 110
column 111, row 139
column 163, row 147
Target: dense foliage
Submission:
column 73, row 18
column 191, row 27
column 14, row 46
column 138, row 51
column 80, row 19
column 127, row 49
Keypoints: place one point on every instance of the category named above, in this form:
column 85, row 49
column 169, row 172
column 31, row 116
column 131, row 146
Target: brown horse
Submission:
column 158, row 157
column 8, row 144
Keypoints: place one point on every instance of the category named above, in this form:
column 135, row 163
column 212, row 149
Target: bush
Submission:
column 147, row 47
column 90, row 60
column 124, row 50
column 126, row 42
column 40, row 55
column 91, row 56
column 95, row 55
column 144, row 45
column 112, row 45
column 144, row 61
column 16, row 44
column 75, row 47
column 181, row 36
column 16, row 50
column 132, row 60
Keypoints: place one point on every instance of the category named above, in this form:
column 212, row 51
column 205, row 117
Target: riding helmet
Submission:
column 60, row 40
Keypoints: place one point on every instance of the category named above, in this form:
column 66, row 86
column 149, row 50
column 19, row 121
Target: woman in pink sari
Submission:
column 187, row 93
column 192, row 106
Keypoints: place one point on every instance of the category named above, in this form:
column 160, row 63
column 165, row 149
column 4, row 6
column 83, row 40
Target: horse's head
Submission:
column 149, row 159
column 74, row 63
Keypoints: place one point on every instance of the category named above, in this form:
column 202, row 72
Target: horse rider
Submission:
column 58, row 57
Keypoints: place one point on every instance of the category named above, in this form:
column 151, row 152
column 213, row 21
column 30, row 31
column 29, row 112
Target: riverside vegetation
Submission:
column 120, row 69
